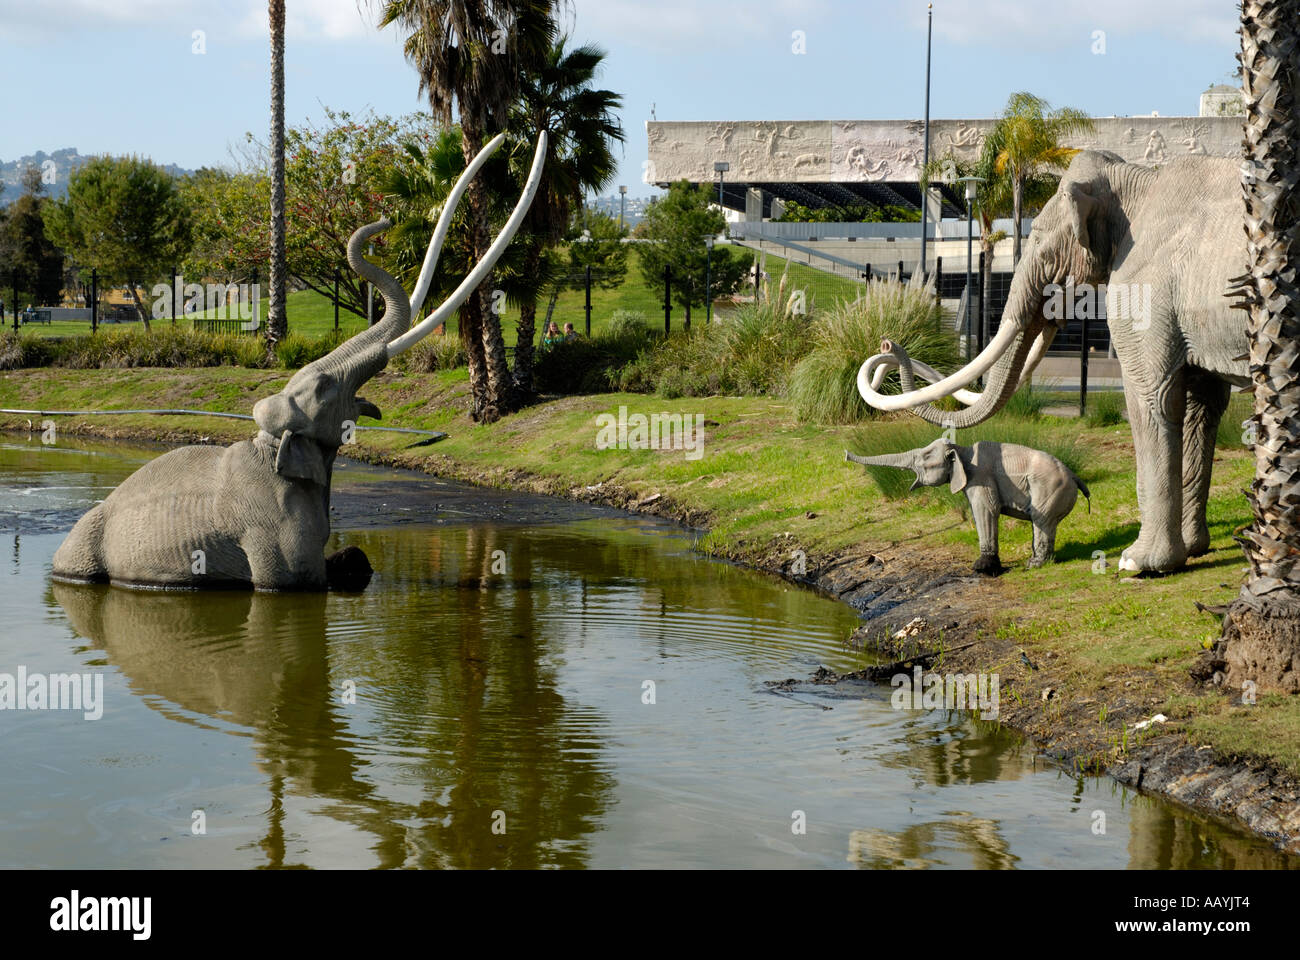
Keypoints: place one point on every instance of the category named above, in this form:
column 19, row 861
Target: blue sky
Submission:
column 121, row 76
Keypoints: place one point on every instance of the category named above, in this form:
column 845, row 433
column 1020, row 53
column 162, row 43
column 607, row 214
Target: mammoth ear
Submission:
column 367, row 409
column 958, row 482
column 1082, row 206
column 299, row 458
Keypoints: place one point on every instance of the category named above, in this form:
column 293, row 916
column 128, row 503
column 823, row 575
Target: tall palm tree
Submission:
column 994, row 200
column 471, row 55
column 277, row 321
column 1262, row 629
column 583, row 127
column 1026, row 141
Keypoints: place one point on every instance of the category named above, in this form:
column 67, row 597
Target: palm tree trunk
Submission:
column 526, row 328
column 1262, row 629
column 277, row 321
column 470, row 328
column 489, row 374
column 1017, row 195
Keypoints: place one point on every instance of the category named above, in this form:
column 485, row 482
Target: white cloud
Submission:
column 1032, row 21
column 304, row 19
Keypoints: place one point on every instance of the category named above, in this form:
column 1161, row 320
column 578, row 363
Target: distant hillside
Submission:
column 64, row 162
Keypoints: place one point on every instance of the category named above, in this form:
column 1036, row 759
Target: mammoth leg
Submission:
column 1156, row 418
column 1044, row 541
column 81, row 555
column 1207, row 398
column 984, row 510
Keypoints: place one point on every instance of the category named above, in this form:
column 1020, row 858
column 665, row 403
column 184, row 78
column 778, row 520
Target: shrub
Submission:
column 823, row 386
column 593, row 365
column 164, row 346
column 625, row 322
column 435, row 352
column 749, row 351
column 1105, row 409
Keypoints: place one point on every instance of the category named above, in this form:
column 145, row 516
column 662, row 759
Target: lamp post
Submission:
column 622, row 205
column 925, row 157
column 720, row 167
column 971, row 189
column 708, row 277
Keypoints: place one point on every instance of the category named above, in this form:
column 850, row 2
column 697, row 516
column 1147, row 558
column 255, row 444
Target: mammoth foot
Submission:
column 1144, row 558
column 988, row 564
column 348, row 570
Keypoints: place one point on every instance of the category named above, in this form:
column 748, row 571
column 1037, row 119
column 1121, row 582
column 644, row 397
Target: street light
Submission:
column 622, row 204
column 708, row 271
column 971, row 190
column 720, row 167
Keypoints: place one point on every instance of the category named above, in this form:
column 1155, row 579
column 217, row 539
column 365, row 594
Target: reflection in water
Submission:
column 917, row 847
column 263, row 662
column 493, row 674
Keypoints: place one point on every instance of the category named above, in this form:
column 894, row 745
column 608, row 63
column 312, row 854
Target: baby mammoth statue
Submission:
column 997, row 478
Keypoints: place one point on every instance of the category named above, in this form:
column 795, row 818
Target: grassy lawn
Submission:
column 312, row 315
column 761, row 475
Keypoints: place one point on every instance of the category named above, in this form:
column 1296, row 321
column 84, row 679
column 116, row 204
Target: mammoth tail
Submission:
column 1083, row 488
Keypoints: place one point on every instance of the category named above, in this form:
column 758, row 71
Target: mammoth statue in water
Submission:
column 256, row 514
column 1168, row 248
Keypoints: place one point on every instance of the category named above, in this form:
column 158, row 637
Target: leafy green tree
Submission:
column 126, row 218
column 334, row 176
column 675, row 228
column 596, row 241
column 472, row 57
column 854, row 213
column 26, row 248
column 1025, row 141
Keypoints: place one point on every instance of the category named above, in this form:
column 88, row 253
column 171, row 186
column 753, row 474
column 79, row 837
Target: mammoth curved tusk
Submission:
column 926, row 373
column 484, row 266
column 965, row 397
column 449, row 206
column 945, row 387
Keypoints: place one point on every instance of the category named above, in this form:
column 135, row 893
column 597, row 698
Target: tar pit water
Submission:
column 525, row 683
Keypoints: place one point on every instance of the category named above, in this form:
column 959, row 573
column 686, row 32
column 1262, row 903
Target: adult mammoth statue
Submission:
column 1168, row 246
column 256, row 514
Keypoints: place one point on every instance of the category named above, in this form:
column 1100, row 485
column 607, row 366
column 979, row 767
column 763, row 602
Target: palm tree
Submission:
column 419, row 187
column 472, row 54
column 1262, row 629
column 1026, row 141
column 559, row 97
column 994, row 200
column 277, row 321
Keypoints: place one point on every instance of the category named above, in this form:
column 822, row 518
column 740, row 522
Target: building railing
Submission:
column 943, row 230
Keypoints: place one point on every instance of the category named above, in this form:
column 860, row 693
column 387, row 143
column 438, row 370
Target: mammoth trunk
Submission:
column 1024, row 311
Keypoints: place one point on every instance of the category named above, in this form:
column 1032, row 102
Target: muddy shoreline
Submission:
column 904, row 584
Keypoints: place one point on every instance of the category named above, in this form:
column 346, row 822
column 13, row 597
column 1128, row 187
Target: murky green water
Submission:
column 457, row 716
